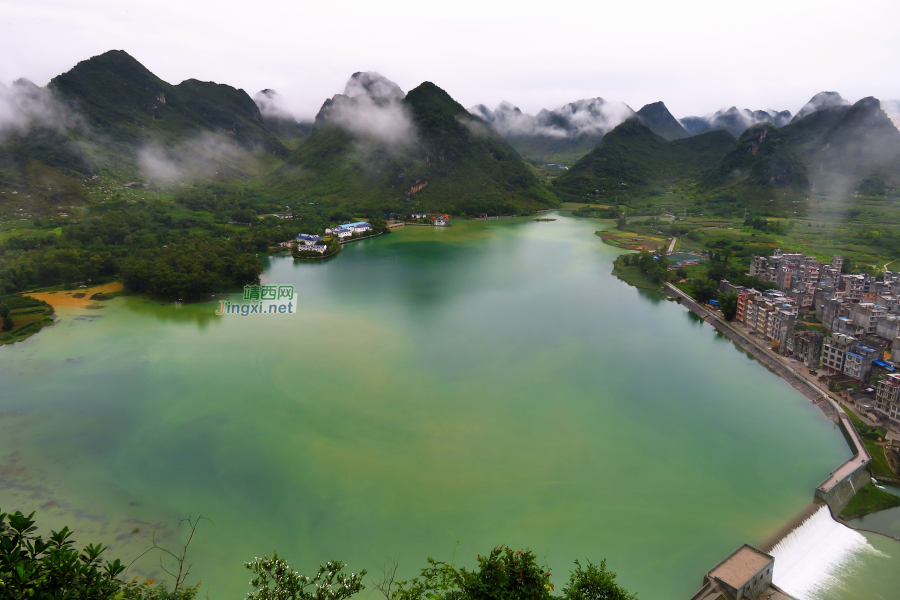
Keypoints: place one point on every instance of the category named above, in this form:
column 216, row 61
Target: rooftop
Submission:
column 740, row 567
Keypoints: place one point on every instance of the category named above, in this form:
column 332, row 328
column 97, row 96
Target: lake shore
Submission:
column 77, row 298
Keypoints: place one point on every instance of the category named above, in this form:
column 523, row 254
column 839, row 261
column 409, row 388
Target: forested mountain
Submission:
column 658, row 118
column 849, row 148
column 121, row 98
column 762, row 172
column 373, row 146
column 759, row 170
column 632, row 160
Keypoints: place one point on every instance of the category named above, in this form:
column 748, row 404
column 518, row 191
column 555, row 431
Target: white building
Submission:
column 308, row 239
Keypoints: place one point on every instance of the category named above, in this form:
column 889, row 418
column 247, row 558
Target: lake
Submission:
column 438, row 392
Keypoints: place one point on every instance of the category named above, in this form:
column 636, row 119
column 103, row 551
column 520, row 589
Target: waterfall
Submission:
column 810, row 558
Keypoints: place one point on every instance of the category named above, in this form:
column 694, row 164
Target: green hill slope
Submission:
column 447, row 161
column 631, row 160
column 762, row 172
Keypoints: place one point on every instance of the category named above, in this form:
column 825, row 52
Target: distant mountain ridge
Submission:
column 561, row 135
column 735, row 121
column 571, row 131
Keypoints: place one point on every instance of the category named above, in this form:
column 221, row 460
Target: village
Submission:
column 843, row 328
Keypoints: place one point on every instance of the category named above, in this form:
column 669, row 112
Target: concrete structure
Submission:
column 858, row 362
column 834, row 349
column 745, row 574
column 887, row 399
column 843, row 483
column 888, row 326
column 865, row 315
column 807, row 347
column 895, row 351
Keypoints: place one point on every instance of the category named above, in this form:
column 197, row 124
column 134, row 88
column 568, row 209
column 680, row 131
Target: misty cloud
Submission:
column 272, row 105
column 24, row 105
column 592, row 116
column 819, row 101
column 735, row 120
column 892, row 109
column 205, row 156
column 371, row 107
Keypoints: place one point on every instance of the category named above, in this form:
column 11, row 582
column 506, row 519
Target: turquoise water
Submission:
column 438, row 390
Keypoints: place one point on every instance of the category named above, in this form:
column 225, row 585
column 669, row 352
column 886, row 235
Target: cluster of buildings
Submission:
column 861, row 312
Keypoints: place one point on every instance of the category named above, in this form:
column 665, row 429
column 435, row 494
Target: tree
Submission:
column 621, row 221
column 501, row 574
column 34, row 567
column 4, row 311
column 729, row 306
column 704, row 290
column 276, row 580
column 7, row 323
column 681, row 272
column 594, row 583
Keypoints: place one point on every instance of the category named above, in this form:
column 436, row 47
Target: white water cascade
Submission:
column 811, row 557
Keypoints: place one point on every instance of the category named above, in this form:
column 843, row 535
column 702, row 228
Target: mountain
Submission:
column 735, row 120
column 820, row 101
column 558, row 136
column 120, row 97
column 279, row 120
column 375, row 147
column 849, row 147
column 658, row 118
column 632, row 160
column 760, row 171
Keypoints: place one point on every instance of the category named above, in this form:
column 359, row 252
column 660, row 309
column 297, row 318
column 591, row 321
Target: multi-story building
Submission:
column 887, row 398
column 865, row 315
column 745, row 297
column 858, row 362
column 807, row 347
column 781, row 326
column 853, row 286
column 834, row 349
column 888, row 326
column 833, row 309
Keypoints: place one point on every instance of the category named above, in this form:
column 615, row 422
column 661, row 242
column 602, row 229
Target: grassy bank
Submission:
column 868, row 500
column 632, row 275
column 879, row 467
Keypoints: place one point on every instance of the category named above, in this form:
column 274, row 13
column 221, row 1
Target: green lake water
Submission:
column 438, row 390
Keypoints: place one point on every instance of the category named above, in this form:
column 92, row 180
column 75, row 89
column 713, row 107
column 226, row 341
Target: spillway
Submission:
column 810, row 558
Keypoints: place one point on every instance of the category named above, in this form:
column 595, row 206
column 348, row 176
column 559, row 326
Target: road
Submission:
column 672, row 245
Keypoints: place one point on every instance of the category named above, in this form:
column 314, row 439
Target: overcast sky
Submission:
column 697, row 56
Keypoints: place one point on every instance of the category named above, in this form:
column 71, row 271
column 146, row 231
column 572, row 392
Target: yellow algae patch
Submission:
column 77, row 298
